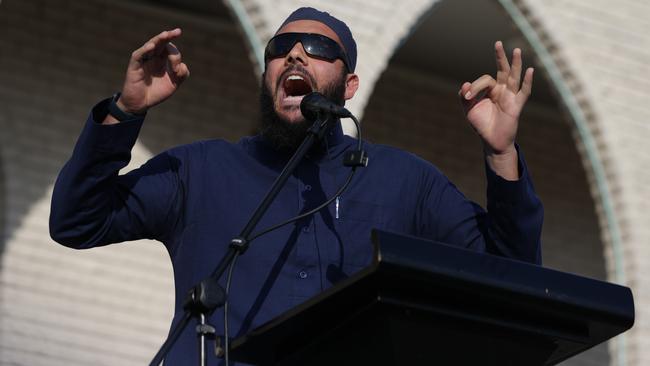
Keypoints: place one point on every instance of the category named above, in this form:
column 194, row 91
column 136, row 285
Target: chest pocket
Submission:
column 355, row 221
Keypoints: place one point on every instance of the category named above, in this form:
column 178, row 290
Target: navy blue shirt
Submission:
column 195, row 198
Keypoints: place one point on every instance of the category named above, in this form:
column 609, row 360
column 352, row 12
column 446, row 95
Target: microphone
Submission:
column 315, row 103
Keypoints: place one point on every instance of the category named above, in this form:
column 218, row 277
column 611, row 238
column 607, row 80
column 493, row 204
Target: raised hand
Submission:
column 154, row 73
column 493, row 108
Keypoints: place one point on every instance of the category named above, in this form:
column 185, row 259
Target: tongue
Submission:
column 296, row 87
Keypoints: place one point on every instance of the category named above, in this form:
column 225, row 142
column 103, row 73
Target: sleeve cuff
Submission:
column 119, row 137
column 503, row 190
column 100, row 111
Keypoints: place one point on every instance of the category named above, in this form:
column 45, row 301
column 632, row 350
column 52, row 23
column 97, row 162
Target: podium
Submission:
column 426, row 303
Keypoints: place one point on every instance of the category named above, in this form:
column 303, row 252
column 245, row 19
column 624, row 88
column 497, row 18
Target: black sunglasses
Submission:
column 315, row 45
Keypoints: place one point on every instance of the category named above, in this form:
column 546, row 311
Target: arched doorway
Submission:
column 414, row 105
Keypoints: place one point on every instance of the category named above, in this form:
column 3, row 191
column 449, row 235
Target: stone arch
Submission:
column 591, row 43
column 418, row 90
column 109, row 305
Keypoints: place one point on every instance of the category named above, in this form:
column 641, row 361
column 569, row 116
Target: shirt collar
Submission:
column 335, row 144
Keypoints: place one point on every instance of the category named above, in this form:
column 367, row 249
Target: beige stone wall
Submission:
column 601, row 49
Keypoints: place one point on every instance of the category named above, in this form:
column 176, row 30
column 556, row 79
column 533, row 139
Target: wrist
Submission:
column 120, row 112
column 499, row 153
column 504, row 163
column 128, row 110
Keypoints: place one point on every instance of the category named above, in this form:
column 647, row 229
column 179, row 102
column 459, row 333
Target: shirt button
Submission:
column 305, row 229
column 308, row 187
column 303, row 274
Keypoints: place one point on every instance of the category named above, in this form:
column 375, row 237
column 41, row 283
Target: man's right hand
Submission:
column 154, row 73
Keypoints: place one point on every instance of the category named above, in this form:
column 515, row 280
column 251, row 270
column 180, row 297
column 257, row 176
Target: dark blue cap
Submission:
column 340, row 28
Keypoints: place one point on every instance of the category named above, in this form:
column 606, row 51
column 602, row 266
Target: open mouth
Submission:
column 296, row 85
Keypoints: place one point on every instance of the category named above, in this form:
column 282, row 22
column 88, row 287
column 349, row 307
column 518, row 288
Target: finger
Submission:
column 526, row 87
column 173, row 55
column 464, row 89
column 180, row 70
column 503, row 67
column 182, row 73
column 476, row 91
column 480, row 84
column 163, row 38
column 515, row 71
column 166, row 36
column 151, row 46
column 140, row 53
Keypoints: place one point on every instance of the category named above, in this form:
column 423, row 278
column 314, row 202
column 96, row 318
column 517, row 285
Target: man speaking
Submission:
column 195, row 198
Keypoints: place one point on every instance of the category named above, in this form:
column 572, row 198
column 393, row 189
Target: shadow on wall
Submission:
column 220, row 98
column 47, row 91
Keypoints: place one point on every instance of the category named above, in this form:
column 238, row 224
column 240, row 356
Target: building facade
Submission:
column 583, row 133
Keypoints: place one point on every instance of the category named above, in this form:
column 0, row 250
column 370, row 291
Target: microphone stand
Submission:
column 205, row 297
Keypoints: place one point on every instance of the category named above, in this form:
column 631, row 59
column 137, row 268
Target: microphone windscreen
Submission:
column 312, row 104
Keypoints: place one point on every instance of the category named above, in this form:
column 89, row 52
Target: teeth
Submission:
column 295, row 77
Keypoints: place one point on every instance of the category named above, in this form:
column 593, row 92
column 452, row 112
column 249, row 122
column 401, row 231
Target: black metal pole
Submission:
column 171, row 339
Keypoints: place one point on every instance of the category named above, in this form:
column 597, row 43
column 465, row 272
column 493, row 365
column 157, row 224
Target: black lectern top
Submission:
column 427, row 303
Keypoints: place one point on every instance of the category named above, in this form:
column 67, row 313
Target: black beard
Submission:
column 283, row 135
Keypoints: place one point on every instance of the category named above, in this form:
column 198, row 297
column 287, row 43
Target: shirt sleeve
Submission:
column 515, row 216
column 92, row 205
column 511, row 226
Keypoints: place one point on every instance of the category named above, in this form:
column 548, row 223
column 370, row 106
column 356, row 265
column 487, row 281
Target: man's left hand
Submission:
column 493, row 108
